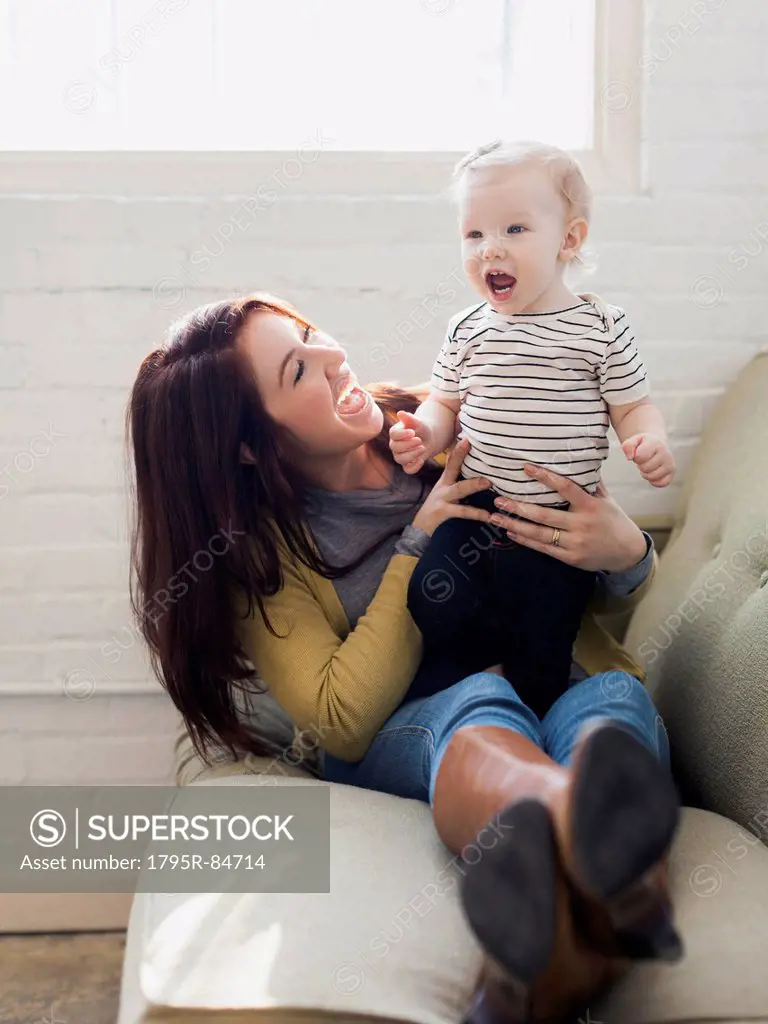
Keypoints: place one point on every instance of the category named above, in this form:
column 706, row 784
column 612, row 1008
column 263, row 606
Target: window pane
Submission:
column 377, row 76
column 552, row 87
column 225, row 74
column 50, row 97
column 164, row 63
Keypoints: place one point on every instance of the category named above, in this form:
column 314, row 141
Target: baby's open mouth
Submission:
column 501, row 285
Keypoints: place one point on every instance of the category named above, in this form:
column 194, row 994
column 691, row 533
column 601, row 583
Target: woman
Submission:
column 249, row 422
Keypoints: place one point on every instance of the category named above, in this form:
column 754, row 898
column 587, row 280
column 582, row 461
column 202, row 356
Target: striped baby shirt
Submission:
column 535, row 387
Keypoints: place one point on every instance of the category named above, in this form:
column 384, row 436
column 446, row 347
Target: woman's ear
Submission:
column 246, row 455
column 573, row 239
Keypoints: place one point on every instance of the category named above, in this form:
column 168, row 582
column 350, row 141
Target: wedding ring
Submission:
column 555, row 538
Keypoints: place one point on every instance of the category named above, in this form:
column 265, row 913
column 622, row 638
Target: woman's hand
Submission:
column 441, row 504
column 594, row 533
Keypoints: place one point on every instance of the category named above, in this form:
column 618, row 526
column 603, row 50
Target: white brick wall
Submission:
column 105, row 740
column 95, row 271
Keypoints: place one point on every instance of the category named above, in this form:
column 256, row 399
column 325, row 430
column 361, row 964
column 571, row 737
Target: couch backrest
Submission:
column 702, row 632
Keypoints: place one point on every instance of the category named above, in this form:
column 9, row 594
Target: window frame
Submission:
column 612, row 166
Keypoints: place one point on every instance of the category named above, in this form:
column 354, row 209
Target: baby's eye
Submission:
column 474, row 234
column 515, row 229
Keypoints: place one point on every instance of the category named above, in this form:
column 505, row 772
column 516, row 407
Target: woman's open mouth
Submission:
column 501, row 285
column 350, row 398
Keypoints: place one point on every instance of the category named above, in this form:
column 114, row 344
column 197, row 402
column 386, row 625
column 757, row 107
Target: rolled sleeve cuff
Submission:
column 622, row 584
column 412, row 541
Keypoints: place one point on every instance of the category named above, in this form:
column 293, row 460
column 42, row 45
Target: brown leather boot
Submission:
column 492, row 1003
column 550, row 1001
column 539, row 968
column 616, row 828
column 607, row 821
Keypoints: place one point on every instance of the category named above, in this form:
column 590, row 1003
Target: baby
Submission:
column 536, row 374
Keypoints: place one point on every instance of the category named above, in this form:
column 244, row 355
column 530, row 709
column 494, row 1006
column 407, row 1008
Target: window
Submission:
column 436, row 76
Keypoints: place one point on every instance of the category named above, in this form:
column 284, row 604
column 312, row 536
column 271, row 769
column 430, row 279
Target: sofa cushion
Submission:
column 390, row 939
column 719, row 878
column 702, row 632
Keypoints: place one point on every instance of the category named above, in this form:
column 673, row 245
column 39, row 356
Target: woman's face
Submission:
column 307, row 387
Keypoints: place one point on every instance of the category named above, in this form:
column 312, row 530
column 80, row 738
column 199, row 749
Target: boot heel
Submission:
column 509, row 898
column 625, row 814
column 499, row 1002
column 643, row 923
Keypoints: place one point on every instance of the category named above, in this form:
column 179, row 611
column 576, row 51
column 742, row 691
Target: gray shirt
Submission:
column 344, row 524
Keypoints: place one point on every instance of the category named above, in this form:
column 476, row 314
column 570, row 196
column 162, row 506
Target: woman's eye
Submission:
column 300, row 364
column 515, row 229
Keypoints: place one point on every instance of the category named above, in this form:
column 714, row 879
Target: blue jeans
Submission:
column 405, row 755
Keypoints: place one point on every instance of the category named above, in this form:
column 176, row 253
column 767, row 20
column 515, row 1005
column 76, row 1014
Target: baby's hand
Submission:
column 652, row 457
column 410, row 441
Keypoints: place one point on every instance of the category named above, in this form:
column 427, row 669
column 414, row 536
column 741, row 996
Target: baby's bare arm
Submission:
column 438, row 412
column 643, row 435
column 419, row 436
column 640, row 417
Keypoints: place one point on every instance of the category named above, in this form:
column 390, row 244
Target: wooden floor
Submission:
column 60, row 979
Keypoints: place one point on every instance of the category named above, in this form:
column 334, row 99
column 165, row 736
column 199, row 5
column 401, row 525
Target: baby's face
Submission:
column 513, row 223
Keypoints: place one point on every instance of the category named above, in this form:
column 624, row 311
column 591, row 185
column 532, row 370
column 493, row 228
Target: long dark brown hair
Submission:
column 206, row 522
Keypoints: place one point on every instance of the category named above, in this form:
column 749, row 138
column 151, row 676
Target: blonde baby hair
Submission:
column 565, row 169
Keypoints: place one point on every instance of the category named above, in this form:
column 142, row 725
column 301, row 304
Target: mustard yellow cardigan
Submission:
column 339, row 684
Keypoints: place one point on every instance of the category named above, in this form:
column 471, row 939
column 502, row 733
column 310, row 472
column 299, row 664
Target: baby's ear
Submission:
column 573, row 239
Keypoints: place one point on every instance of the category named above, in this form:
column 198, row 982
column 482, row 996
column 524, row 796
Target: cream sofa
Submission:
column 384, row 944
